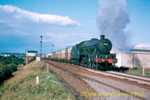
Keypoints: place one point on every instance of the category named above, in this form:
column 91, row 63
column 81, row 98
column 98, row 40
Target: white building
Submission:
column 31, row 53
column 30, row 56
column 135, row 58
column 141, row 58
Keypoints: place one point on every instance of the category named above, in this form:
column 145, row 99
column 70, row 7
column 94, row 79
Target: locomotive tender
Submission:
column 94, row 53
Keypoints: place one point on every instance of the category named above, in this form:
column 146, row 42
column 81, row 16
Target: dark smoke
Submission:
column 112, row 21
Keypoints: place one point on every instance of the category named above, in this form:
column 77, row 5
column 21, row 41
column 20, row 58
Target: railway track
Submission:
column 138, row 79
column 106, row 86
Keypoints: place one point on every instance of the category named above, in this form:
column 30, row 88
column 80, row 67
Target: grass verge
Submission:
column 23, row 85
column 138, row 72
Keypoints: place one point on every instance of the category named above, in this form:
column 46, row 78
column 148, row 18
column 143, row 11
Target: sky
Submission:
column 62, row 23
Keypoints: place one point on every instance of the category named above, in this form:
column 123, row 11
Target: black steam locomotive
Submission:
column 94, row 54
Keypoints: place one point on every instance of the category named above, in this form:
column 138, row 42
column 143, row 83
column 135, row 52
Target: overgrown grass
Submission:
column 23, row 86
column 138, row 72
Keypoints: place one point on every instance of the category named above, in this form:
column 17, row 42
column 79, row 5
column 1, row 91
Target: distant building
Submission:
column 30, row 56
column 31, row 53
column 140, row 51
column 49, row 54
column 141, row 58
column 134, row 58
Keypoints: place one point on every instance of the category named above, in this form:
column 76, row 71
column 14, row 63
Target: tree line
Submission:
column 8, row 65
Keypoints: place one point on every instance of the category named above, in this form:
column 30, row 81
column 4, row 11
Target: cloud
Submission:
column 20, row 29
column 19, row 15
column 62, row 40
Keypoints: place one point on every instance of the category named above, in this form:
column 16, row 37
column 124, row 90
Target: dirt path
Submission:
column 73, row 82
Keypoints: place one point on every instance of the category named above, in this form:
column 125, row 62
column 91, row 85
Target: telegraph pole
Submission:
column 41, row 45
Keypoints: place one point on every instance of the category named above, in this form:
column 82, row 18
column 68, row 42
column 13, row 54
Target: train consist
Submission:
column 94, row 53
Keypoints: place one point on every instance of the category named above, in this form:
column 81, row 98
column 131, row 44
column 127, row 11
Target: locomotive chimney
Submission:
column 102, row 36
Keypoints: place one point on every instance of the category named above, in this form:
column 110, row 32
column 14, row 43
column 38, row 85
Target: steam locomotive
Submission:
column 94, row 53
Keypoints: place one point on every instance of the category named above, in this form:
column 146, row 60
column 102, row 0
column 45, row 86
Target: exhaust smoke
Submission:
column 112, row 19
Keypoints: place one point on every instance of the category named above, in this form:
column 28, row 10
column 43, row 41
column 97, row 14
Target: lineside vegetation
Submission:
column 8, row 65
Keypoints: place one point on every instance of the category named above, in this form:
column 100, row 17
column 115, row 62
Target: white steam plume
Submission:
column 112, row 21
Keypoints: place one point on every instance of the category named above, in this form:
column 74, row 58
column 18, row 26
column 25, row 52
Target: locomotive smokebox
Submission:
column 104, row 46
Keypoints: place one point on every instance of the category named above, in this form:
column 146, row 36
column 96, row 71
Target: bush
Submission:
column 6, row 71
column 8, row 65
